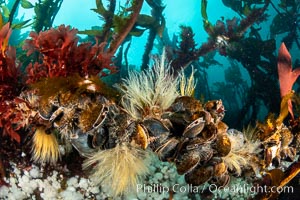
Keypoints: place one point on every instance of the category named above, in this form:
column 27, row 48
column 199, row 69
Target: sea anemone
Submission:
column 149, row 92
column 119, row 168
column 45, row 147
column 243, row 152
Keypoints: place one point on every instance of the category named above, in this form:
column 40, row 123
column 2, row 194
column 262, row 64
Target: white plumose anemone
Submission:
column 147, row 92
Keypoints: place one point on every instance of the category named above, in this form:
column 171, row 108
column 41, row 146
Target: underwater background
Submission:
column 271, row 29
column 149, row 99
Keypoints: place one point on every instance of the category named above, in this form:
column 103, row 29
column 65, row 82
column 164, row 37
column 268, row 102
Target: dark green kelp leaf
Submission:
column 21, row 25
column 26, row 4
column 145, row 21
column 207, row 25
column 91, row 32
column 203, row 9
column 281, row 23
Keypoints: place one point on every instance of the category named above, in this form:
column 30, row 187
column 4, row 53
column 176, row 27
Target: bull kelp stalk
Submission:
column 117, row 25
column 156, row 28
column 13, row 10
column 126, row 28
column 108, row 16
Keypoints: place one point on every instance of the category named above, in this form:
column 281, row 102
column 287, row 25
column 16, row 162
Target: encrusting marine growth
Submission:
column 120, row 169
column 154, row 111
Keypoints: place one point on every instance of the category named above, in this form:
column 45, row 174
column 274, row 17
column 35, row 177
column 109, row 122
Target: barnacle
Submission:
column 45, row 147
column 119, row 168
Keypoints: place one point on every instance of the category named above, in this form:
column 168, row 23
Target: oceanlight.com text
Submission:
column 245, row 188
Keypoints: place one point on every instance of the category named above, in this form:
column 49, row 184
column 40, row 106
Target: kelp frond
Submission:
column 243, row 153
column 187, row 85
column 285, row 106
column 154, row 89
column 119, row 168
column 45, row 147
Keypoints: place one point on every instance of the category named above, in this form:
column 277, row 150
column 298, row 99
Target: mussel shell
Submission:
column 220, row 181
column 100, row 137
column 202, row 149
column 186, row 104
column 199, row 175
column 222, row 127
column 222, row 145
column 220, row 169
column 187, row 161
column 216, row 109
column 209, row 132
column 206, row 154
column 168, row 149
column 178, row 121
column 194, row 128
column 156, row 129
column 140, row 136
column 206, row 116
column 194, row 143
column 81, row 144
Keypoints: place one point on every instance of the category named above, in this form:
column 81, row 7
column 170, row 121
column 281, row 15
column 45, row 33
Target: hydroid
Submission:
column 243, row 152
column 187, row 85
column 150, row 91
column 45, row 147
column 120, row 168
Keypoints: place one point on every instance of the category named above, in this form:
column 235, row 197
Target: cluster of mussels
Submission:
column 189, row 134
column 197, row 141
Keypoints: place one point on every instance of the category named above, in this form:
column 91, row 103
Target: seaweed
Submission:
column 10, row 87
column 285, row 22
column 60, row 55
column 64, row 68
column 155, row 24
column 45, row 12
column 287, row 76
column 186, row 52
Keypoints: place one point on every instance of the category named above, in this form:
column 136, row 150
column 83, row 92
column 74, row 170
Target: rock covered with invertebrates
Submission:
column 199, row 143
